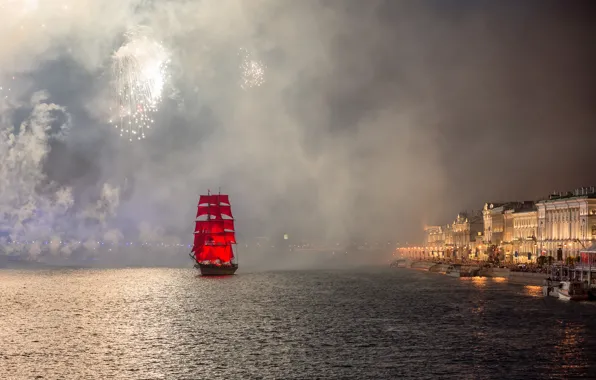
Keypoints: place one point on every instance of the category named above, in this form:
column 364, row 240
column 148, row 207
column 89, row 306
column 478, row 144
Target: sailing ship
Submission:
column 214, row 236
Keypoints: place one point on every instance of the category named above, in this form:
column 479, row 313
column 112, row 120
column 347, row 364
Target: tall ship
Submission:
column 214, row 236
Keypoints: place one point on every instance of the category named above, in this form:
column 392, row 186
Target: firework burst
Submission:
column 140, row 69
column 252, row 70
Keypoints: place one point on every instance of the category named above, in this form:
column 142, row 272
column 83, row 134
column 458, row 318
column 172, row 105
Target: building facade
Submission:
column 433, row 236
column 566, row 223
column 560, row 226
column 467, row 227
column 525, row 228
column 434, row 241
column 494, row 223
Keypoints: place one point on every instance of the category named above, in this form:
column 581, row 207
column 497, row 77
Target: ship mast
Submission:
column 234, row 252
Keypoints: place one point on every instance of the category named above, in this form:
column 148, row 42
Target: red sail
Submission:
column 203, row 211
column 229, row 224
column 222, row 253
column 216, row 211
column 220, row 238
column 198, row 243
column 208, row 199
column 215, row 199
column 222, row 198
column 205, row 226
column 214, row 225
column 214, row 237
column 205, row 239
column 226, row 210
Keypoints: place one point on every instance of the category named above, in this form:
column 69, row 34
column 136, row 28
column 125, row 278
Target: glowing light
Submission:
column 253, row 71
column 140, row 69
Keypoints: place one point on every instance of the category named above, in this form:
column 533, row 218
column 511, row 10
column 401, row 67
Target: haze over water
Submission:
column 366, row 323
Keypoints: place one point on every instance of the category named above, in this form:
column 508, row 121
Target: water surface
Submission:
column 348, row 324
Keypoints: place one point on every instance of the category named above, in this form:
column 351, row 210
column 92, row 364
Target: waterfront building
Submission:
column 434, row 241
column 449, row 242
column 519, row 232
column 494, row 226
column 523, row 232
column 494, row 222
column 466, row 228
column 499, row 228
column 449, row 236
column 566, row 223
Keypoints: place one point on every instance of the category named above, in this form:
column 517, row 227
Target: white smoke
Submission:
column 152, row 234
column 105, row 207
column 34, row 251
column 113, row 236
column 33, row 209
column 272, row 144
column 29, row 206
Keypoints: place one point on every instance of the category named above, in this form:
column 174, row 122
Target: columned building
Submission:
column 566, row 222
column 499, row 228
column 494, row 223
column 466, row 228
column 434, row 241
column 525, row 227
column 448, row 234
column 506, row 246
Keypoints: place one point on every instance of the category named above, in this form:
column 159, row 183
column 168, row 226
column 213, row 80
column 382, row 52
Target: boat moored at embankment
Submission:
column 473, row 270
column 569, row 283
column 459, row 270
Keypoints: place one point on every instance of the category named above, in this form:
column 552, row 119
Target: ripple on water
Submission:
column 171, row 324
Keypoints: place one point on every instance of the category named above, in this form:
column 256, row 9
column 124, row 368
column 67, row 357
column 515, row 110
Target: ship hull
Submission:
column 217, row 270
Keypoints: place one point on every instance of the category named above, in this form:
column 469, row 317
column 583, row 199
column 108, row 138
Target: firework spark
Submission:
column 253, row 71
column 140, row 69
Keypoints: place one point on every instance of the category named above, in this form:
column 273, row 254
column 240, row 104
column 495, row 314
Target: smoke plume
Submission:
column 326, row 120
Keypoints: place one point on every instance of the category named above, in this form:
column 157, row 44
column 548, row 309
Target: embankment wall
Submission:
column 522, row 278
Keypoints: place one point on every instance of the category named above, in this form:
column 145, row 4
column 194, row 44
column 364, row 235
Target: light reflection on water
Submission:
column 572, row 341
column 478, row 282
column 170, row 324
column 533, row 291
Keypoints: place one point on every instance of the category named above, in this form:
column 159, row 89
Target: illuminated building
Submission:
column 499, row 228
column 494, row 222
column 566, row 222
column 522, row 232
column 434, row 241
column 466, row 228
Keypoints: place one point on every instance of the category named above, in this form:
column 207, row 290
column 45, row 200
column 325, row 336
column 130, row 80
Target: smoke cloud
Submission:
column 326, row 120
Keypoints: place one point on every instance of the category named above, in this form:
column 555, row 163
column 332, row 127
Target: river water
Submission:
column 344, row 324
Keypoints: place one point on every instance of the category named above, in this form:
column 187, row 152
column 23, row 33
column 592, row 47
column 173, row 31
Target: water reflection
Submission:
column 499, row 280
column 532, row 291
column 165, row 323
column 479, row 282
column 570, row 347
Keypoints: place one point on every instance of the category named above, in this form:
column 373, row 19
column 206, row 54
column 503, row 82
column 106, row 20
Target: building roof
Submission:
column 579, row 193
column 515, row 206
column 525, row 206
